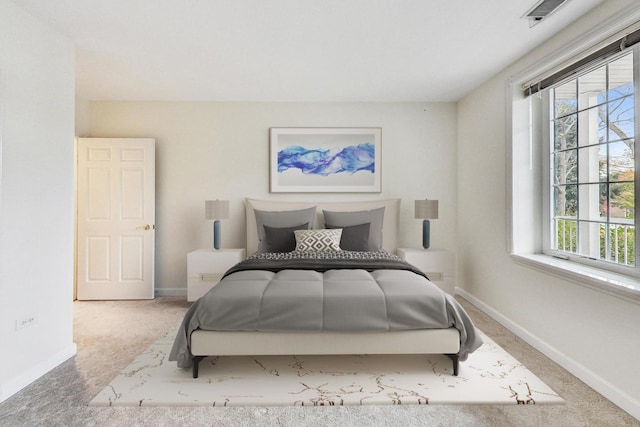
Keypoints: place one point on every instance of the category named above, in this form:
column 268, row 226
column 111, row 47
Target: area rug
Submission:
column 489, row 376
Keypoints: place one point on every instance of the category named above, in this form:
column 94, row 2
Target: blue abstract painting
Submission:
column 325, row 159
column 325, row 162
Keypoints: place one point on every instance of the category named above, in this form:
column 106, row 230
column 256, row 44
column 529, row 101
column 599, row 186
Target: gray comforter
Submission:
column 339, row 291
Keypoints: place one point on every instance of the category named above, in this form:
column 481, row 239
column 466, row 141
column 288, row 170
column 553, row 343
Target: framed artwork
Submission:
column 325, row 160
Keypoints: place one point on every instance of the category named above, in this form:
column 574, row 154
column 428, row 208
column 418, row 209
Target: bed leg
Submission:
column 196, row 362
column 456, row 363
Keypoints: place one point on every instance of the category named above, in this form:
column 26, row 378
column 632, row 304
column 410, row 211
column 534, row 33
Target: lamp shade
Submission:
column 216, row 209
column 426, row 209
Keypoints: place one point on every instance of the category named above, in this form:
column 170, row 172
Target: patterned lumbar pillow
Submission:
column 318, row 240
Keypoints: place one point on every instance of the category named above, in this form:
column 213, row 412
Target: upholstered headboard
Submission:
column 389, row 226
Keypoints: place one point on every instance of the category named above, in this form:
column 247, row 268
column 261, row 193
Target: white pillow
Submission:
column 318, row 240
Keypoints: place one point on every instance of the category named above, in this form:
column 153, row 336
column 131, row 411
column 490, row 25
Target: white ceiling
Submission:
column 294, row 50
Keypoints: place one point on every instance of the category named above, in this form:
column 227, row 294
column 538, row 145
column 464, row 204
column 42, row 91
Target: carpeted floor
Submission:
column 110, row 334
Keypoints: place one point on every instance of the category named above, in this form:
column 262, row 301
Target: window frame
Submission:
column 546, row 139
column 523, row 185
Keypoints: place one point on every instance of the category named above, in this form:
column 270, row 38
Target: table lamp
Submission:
column 426, row 210
column 216, row 210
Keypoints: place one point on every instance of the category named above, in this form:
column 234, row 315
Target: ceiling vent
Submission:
column 541, row 10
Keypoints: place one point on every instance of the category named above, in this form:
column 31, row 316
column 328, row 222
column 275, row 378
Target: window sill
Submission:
column 618, row 285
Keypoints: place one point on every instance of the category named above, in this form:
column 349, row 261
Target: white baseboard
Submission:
column 16, row 384
column 602, row 386
column 171, row 292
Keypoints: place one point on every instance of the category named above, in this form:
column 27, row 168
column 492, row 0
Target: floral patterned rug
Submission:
column 489, row 376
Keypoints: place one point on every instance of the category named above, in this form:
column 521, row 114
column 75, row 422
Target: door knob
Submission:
column 144, row 227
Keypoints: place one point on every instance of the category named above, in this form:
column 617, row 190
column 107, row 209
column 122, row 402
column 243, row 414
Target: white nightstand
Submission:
column 205, row 268
column 437, row 264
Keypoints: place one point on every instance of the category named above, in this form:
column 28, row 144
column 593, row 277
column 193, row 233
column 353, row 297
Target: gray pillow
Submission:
column 354, row 237
column 281, row 239
column 374, row 217
column 281, row 219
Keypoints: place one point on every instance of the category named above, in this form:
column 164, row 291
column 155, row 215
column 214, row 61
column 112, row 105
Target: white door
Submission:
column 116, row 218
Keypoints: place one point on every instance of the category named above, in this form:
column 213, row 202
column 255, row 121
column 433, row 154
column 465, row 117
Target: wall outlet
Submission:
column 25, row 322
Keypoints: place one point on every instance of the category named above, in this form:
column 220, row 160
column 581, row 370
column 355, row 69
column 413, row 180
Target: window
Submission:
column 571, row 150
column 590, row 135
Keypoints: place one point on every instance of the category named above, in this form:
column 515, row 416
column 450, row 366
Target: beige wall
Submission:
column 593, row 334
column 36, row 198
column 221, row 150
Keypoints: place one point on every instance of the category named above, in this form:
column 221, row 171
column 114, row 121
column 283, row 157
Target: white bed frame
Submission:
column 425, row 341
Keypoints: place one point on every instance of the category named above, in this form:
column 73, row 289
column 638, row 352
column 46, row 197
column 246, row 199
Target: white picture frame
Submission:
column 325, row 160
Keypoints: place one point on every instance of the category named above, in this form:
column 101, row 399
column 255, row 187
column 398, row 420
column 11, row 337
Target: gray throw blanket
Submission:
column 324, row 261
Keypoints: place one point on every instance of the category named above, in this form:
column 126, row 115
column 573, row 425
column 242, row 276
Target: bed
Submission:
column 340, row 291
